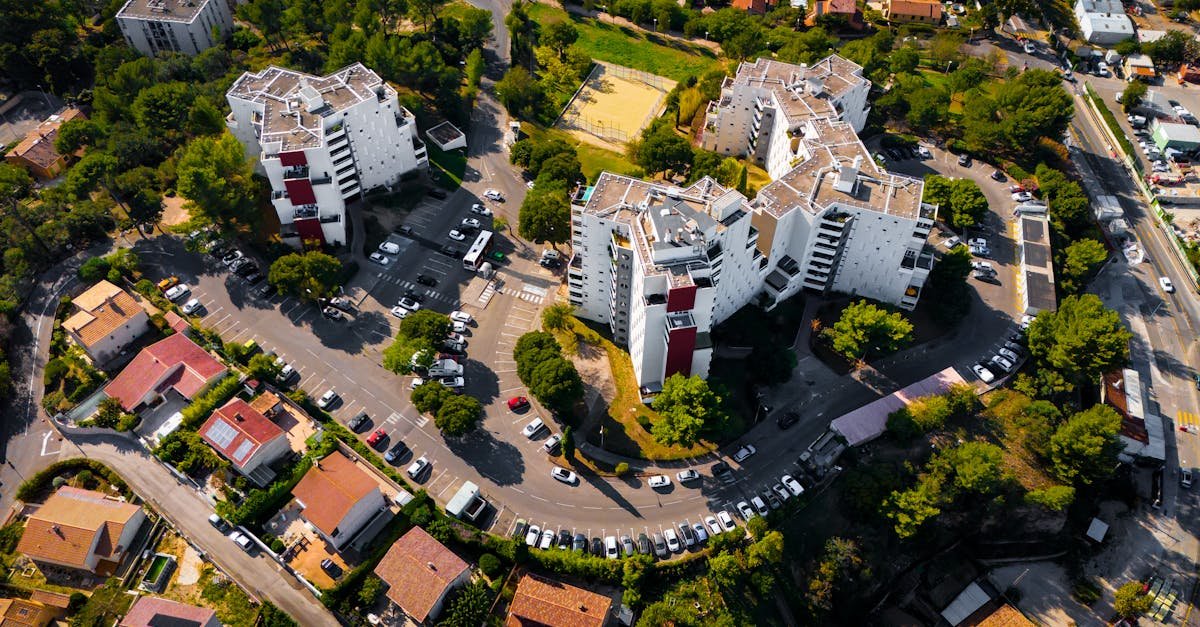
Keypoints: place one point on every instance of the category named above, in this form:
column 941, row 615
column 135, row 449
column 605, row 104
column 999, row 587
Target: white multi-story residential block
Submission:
column 662, row 265
column 323, row 141
column 187, row 26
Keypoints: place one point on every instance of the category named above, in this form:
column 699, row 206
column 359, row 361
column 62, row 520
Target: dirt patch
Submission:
column 174, row 212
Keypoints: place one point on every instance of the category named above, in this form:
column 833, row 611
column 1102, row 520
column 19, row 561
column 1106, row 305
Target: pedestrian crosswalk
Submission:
column 428, row 293
column 524, row 295
column 486, row 295
column 1187, row 419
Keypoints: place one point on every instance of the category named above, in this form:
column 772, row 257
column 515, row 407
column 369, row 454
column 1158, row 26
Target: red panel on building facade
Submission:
column 296, row 157
column 310, row 229
column 680, row 345
column 681, row 299
column 300, row 192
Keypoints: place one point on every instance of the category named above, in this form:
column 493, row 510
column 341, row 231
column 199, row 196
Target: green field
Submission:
column 637, row 49
column 592, row 159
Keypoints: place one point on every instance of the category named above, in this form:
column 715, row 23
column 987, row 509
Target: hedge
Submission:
column 39, row 485
column 199, row 409
column 260, row 504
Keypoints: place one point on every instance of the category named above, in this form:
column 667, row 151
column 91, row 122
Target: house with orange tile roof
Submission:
column 27, row 613
column 543, row 601
column 757, row 7
column 420, row 573
column 846, row 9
column 36, row 151
column 247, row 438
column 106, row 320
column 338, row 498
column 158, row 612
column 81, row 529
column 921, row 11
column 172, row 365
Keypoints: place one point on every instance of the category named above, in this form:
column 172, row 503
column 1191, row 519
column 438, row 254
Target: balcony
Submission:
column 276, row 195
column 322, row 180
column 335, row 132
column 295, row 172
column 304, row 212
column 230, row 121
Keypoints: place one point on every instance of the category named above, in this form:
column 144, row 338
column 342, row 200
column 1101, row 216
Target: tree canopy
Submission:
column 545, row 214
column 865, row 329
column 310, row 276
column 687, row 408
column 1077, row 343
column 1015, row 114
column 960, row 201
column 1084, row 449
column 549, row 376
column 217, row 180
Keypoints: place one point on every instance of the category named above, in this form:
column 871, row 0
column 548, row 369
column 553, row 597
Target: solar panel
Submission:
column 242, row 451
column 221, row 434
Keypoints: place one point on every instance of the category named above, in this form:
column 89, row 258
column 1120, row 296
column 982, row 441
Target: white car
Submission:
column 792, row 485
column 982, row 266
column 1166, row 284
column 685, row 476
column 1030, row 48
column 563, row 475
column 532, row 536
column 533, row 428
column 456, row 235
column 924, row 152
column 952, row 242
column 458, row 327
column 470, row 223
column 713, row 526
column 1026, row 320
column 409, row 304
column 610, row 548
column 1022, row 196
column 981, row 251
column 1102, row 69
column 672, row 539
column 659, row 481
column 416, row 383
column 380, row 259
column 286, row 372
column 743, row 509
column 454, row 383
column 977, row 241
column 242, row 540
column 547, row 539
column 177, row 292
column 492, row 194
column 744, row 453
column 983, row 373
column 327, row 399
column 399, row 312
column 480, row 210
column 191, row 307
column 1009, row 355
column 759, row 505
column 460, row 316
column 727, row 522
column 1002, row 363
column 391, row 248
column 418, row 467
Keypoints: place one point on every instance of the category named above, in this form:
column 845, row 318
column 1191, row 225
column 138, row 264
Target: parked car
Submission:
column 358, row 422
column 643, row 544
column 627, row 546
column 1009, row 355
column 177, row 292
column 1022, row 197
column 492, row 194
column 564, row 475
column 983, row 373
column 332, row 314
column 743, row 509
column 391, row 248
column 456, row 235
column 547, row 539
column 409, row 304
column 427, row 281
column 687, row 535
column 437, row 192
column 480, row 210
column 701, row 532
column 564, row 538
column 533, row 428
column 1185, row 477
column 192, row 306
column 520, row 528
column 659, row 481
column 781, row 491
column 460, row 316
column 400, row 312
column 380, row 259
column 395, row 453
column 418, row 467
column 727, row 522
column 964, row 161
column 660, row 545
column 579, row 543
column 713, row 526
column 611, row 551
column 377, row 438
column 218, row 522
column 1003, row 364
column 1166, row 284
column 759, row 505
column 532, row 535
column 168, row 283
column 685, row 476
column 242, row 540
column 470, row 223
column 792, row 485
column 788, row 419
column 327, row 399
column 552, row 443
column 330, row 568
column 517, row 403
column 744, row 453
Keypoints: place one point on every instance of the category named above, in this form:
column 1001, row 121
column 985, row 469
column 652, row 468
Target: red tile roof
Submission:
column 753, row 6
column 64, row 528
column 237, row 431
column 175, row 362
column 156, row 612
column 418, row 569
column 176, row 322
column 541, row 601
column 330, row 489
column 38, row 145
column 910, row 8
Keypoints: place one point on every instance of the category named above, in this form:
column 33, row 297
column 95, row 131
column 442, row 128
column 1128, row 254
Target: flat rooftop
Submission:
column 285, row 96
column 163, row 10
column 811, row 186
column 1040, row 290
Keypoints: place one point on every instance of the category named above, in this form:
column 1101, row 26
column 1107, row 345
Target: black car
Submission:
column 437, row 192
column 643, row 544
column 396, row 453
column 405, row 230
column 246, row 269
column 414, row 295
column 451, row 251
column 787, row 420
column 358, row 422
column 267, row 290
column 550, row 263
column 426, row 280
column 997, row 175
column 597, row 547
column 580, row 543
column 564, row 539
column 721, row 471
column 333, row 570
column 254, row 278
column 964, row 161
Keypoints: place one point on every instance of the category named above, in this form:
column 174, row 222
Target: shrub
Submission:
column 10, row 535
column 488, row 563
column 94, row 269
column 38, row 486
column 198, row 411
column 621, row 469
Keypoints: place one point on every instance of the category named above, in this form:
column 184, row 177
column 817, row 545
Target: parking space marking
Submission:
column 443, row 490
column 421, row 421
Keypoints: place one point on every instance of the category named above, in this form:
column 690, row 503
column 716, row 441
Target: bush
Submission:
column 38, row 486
column 260, row 504
column 94, row 269
column 10, row 535
column 488, row 563
column 198, row 411
column 621, row 469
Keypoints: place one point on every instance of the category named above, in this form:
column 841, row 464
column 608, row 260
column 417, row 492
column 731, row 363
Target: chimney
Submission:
column 238, row 417
column 431, row 566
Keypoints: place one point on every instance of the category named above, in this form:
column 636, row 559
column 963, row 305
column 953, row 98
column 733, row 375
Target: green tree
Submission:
column 15, row 186
column 687, row 407
column 310, row 276
column 545, row 215
column 1080, row 258
column 94, row 269
column 1057, row 497
column 469, row 607
column 968, row 204
column 556, row 384
column 909, row 509
column 865, row 329
column 369, row 591
column 1013, row 115
column 557, row 317
column 1084, row 449
column 662, row 150
column 1133, row 94
column 75, row 134
column 458, row 415
column 947, row 289
column 905, row 60
column 519, row 93
column 425, row 324
column 109, row 413
column 430, row 396
column 216, row 179
column 1080, row 341
column 568, row 445
column 840, row 566
column 727, row 570
column 1131, row 600
column 977, row 466
column 767, row 550
column 559, row 36
column 162, row 110
column 262, row 367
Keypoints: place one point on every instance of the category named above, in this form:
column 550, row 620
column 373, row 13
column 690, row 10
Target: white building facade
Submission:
column 323, row 141
column 186, row 26
column 662, row 265
column 1103, row 22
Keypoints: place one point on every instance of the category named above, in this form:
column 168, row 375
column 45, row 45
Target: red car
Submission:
column 518, row 403
column 379, row 436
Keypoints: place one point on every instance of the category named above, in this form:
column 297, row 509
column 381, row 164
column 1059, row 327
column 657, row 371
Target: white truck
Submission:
column 445, row 368
column 467, row 504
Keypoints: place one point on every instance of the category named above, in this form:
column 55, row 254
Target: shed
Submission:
column 1139, row 66
column 1177, row 136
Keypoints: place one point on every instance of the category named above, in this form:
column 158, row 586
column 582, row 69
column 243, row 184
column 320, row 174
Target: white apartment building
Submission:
column 323, row 141
column 1103, row 22
column 187, row 26
column 662, row 265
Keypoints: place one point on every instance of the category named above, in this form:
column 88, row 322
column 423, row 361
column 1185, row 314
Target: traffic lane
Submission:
column 188, row 511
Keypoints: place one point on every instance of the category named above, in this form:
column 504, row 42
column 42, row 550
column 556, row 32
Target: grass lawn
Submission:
column 592, row 159
column 451, row 165
column 1111, row 121
column 756, row 178
column 632, row 48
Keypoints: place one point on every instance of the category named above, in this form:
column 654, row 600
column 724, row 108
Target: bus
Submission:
column 478, row 253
